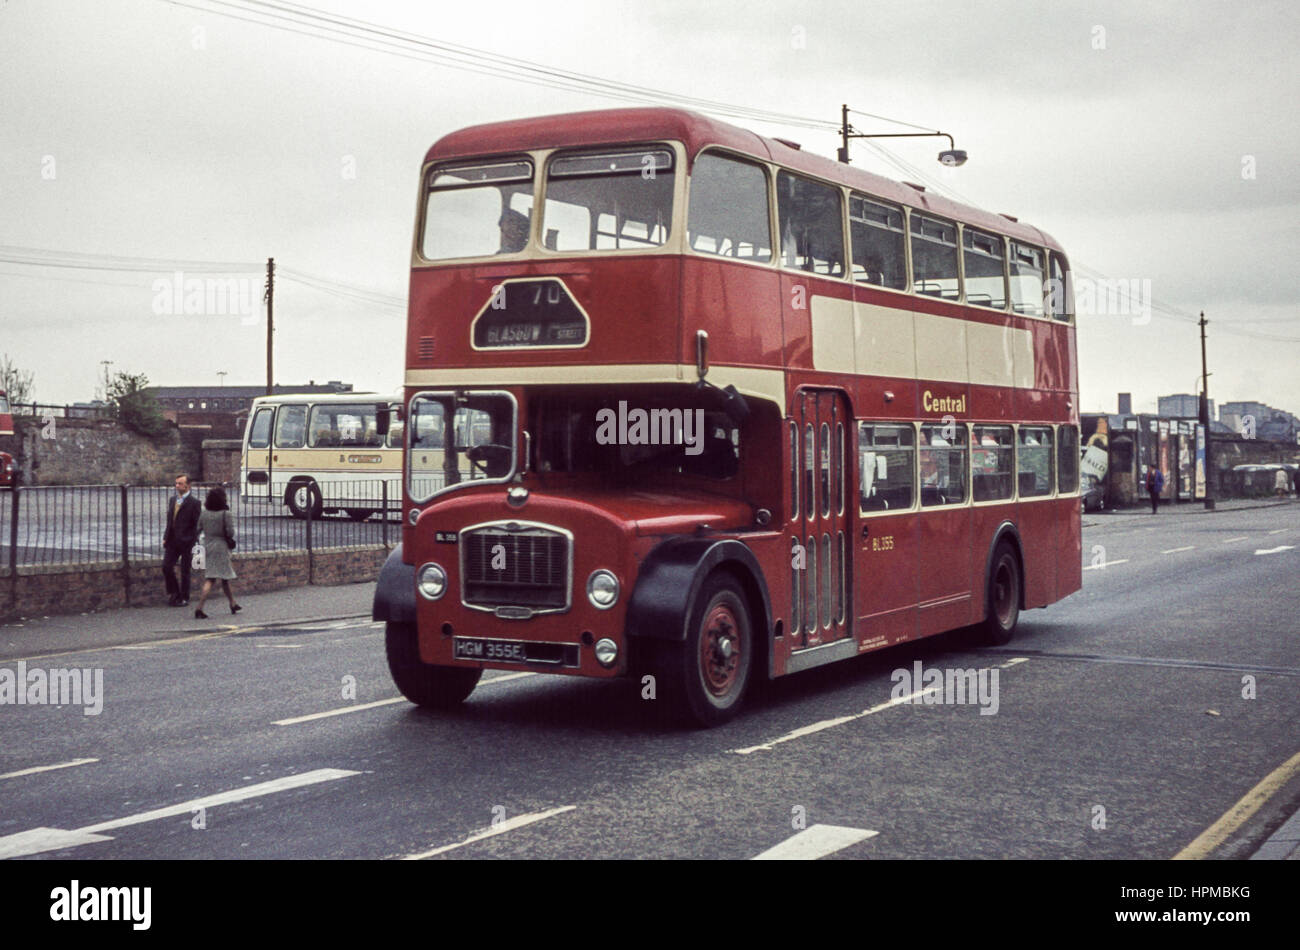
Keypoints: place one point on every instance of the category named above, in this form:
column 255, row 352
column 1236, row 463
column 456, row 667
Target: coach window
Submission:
column 876, row 237
column 992, row 459
column 291, row 427
column 1067, row 455
column 728, row 209
column 477, row 210
column 934, row 257
column 1036, row 461
column 1060, row 299
column 614, row 201
column 885, row 478
column 1026, row 279
column 812, row 228
column 986, row 279
column 259, row 437
column 943, row 464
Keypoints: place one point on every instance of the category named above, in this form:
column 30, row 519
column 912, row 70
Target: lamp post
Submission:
column 951, row 156
column 1205, row 420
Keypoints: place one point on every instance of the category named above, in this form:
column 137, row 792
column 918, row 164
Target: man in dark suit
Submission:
column 178, row 541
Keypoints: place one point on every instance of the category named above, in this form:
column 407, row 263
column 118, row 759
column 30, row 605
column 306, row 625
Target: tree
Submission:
column 133, row 406
column 16, row 384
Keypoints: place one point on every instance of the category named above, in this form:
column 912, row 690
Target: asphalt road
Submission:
column 1121, row 732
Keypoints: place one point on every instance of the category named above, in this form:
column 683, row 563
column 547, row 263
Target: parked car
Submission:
column 8, row 470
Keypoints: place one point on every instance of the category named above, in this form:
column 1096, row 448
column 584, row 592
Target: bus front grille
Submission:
column 516, row 566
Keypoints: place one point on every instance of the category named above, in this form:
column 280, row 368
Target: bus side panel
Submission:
column 1036, row 521
column 943, row 570
column 885, row 579
column 1069, row 559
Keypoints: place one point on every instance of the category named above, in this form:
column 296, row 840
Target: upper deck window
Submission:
column 609, row 201
column 728, row 209
column 876, row 235
column 478, row 210
column 1026, row 279
column 812, row 229
column 986, row 280
column 934, row 257
column 1059, row 297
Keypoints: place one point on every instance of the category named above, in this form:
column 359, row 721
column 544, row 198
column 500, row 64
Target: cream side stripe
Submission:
column 762, row 383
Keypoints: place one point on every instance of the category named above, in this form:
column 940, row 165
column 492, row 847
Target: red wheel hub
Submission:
column 720, row 650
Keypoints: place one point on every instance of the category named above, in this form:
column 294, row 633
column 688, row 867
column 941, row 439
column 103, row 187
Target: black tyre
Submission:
column 301, row 495
column 433, row 687
column 360, row 514
column 705, row 678
column 1002, row 598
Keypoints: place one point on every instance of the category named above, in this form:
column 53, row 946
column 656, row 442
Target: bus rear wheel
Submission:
column 360, row 514
column 705, row 677
column 301, row 496
column 433, row 687
column 1002, row 598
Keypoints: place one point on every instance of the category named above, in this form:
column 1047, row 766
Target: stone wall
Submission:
column 78, row 588
column 221, row 460
column 98, row 452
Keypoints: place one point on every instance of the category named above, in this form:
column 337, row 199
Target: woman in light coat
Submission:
column 218, row 527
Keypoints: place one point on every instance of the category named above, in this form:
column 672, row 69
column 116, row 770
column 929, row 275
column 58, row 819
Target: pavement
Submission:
column 1169, row 509
column 42, row 636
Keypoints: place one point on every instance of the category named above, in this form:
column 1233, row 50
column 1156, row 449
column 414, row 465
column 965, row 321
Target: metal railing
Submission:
column 118, row 525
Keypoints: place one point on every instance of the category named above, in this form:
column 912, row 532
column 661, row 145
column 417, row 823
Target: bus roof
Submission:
column 695, row 131
column 326, row 399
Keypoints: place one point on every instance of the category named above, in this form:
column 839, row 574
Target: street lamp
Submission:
column 951, row 156
column 222, row 373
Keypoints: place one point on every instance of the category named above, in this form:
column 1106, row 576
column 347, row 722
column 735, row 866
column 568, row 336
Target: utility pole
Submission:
column 270, row 323
column 844, row 133
column 1205, row 419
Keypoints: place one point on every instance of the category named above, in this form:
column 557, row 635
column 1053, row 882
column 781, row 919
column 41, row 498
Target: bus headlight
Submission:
column 602, row 589
column 432, row 581
column 606, row 651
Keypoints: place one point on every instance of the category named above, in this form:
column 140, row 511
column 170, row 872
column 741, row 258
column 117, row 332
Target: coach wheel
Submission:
column 360, row 514
column 1002, row 610
column 433, row 687
column 302, row 495
column 706, row 676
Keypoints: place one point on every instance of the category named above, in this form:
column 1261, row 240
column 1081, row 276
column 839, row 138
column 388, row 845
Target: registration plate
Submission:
column 472, row 648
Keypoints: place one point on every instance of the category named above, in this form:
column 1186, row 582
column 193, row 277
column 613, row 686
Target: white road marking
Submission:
column 338, row 712
column 815, row 842
column 1105, row 564
column 48, row 768
column 1230, row 540
column 1277, row 531
column 509, row 824
column 342, row 710
column 827, row 724
column 37, row 840
column 1176, row 550
column 1012, row 662
column 278, row 646
column 1276, row 550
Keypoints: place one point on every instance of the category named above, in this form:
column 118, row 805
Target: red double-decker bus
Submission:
column 686, row 401
column 6, row 415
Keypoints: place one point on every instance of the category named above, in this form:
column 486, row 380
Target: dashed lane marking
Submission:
column 1277, row 550
column 359, row 707
column 48, row 768
column 815, row 842
column 827, row 724
column 1188, row 547
column 509, row 824
column 37, row 840
column 1104, row 564
column 1230, row 540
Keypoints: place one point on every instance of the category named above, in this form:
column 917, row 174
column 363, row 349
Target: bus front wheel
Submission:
column 705, row 677
column 1002, row 599
column 433, row 687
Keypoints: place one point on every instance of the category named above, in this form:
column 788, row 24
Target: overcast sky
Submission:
column 1157, row 142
